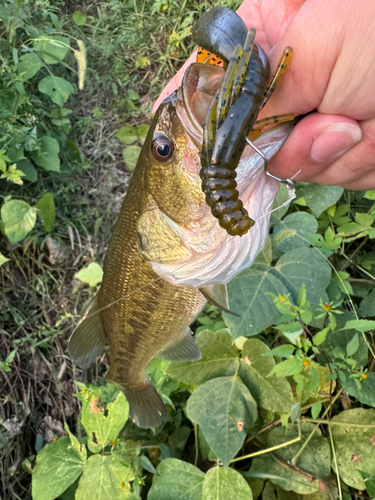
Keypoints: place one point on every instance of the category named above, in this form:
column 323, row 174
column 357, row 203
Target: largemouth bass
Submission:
column 167, row 253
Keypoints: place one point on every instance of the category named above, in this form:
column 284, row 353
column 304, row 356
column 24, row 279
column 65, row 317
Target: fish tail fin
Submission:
column 88, row 340
column 146, row 408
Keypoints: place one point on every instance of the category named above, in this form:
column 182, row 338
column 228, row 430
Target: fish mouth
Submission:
column 199, row 86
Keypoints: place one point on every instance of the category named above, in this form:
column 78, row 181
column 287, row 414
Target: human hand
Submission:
column 331, row 72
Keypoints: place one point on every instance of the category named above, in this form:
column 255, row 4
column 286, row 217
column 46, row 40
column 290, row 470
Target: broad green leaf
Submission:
column 363, row 389
column 369, row 481
column 219, row 359
column 225, row 410
column 142, row 132
column 130, row 155
column 48, row 156
column 319, row 197
column 18, row 218
column 352, row 346
column 353, row 434
column 304, row 266
column 316, row 457
column 3, row 259
column 102, row 426
column 316, row 409
column 127, row 134
column 79, row 18
column 271, row 393
column 28, row 169
column 105, row 477
column 176, row 480
column 361, row 325
column 282, row 351
column 367, row 306
column 288, row 479
column 92, row 274
column 58, row 89
column 29, row 65
column 265, row 255
column 52, row 49
column 225, row 484
column 58, row 465
column 46, row 211
column 327, row 491
column 248, row 297
column 294, row 231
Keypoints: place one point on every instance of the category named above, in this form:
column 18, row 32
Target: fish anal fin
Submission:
column 218, row 296
column 88, row 339
column 184, row 349
column 146, row 408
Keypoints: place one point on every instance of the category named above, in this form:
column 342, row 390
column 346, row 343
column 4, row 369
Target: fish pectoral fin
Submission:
column 158, row 238
column 218, row 296
column 146, row 408
column 184, row 349
column 88, row 339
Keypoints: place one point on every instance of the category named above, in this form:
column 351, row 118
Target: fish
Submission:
column 168, row 255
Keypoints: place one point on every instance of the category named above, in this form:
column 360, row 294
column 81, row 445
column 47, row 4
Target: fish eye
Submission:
column 162, row 148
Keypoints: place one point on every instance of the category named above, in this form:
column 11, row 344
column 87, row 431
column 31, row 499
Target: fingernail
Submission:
column 334, row 140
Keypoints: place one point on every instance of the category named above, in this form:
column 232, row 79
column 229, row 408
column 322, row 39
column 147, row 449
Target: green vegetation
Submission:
column 282, row 403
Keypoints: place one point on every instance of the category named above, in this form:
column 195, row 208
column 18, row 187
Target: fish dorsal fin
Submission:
column 218, row 296
column 88, row 340
column 184, row 349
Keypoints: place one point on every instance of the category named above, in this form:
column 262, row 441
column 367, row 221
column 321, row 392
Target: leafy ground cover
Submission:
column 281, row 405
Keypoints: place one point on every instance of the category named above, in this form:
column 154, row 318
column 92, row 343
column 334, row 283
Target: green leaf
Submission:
column 352, row 346
column 130, row 155
column 105, row 477
column 219, row 359
column 316, row 458
column 304, row 266
column 58, row 465
column 265, row 255
column 271, row 393
column 361, row 325
column 248, row 297
column 102, row 426
column 367, row 305
column 225, row 484
column 294, row 231
column 79, row 18
column 48, row 156
column 58, row 89
column 316, row 409
column 369, row 481
column 142, row 132
column 127, row 134
column 281, row 351
column 92, row 274
column 341, row 337
column 29, row 65
column 176, row 480
column 52, row 49
column 19, row 219
column 28, row 169
column 3, row 259
column 362, row 389
column 46, row 211
column 319, row 197
column 225, row 410
column 354, row 445
column 287, row 368
column 321, row 336
column 370, row 195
